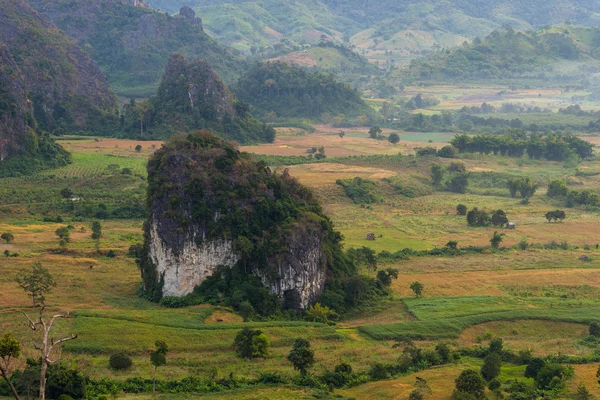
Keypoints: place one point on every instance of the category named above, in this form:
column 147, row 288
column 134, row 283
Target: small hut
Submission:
column 511, row 225
column 370, row 236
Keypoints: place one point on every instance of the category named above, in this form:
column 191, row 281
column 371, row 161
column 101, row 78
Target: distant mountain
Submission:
column 568, row 54
column 133, row 43
column 382, row 30
column 192, row 96
column 67, row 90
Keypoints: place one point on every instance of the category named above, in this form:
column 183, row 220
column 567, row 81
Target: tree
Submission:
column 471, row 382
column 496, row 345
column 97, row 234
column 458, row 183
column 250, row 343
column 394, row 138
column 158, row 358
column 341, row 134
column 138, row 148
column 491, row 366
column 364, row 256
column 595, row 329
column 10, row 349
column 461, row 209
column 448, row 152
column 437, row 174
column 374, row 132
column 66, row 193
column 499, row 218
column 63, row 233
column 452, row 244
column 417, row 288
column 583, row 393
column 47, row 345
column 319, row 313
column 7, row 237
column 533, row 367
column 301, row 356
column 36, row 282
column 246, row 310
column 120, row 362
column 496, row 240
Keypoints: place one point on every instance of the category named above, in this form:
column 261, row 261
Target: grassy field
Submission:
column 536, row 298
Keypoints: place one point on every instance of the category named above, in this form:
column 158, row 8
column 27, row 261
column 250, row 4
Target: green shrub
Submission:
column 120, row 362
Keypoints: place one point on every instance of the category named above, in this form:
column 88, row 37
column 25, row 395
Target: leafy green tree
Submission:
column 583, row 393
column 477, row 217
column 595, row 329
column 374, row 132
column 499, row 218
column 496, row 240
column 452, row 244
column 448, row 152
column 394, row 138
column 491, row 366
column 158, row 358
column 533, row 367
column 444, row 351
column 364, row 256
column 138, row 148
column 461, row 209
column 496, row 345
column 458, row 183
column 120, row 361
column 63, row 233
column 37, row 282
column 550, row 373
column 386, row 276
column 417, row 288
column 437, row 174
column 66, row 193
column 301, row 356
column 250, row 343
column 319, row 313
column 494, row 384
column 246, row 310
column 97, row 234
column 10, row 349
column 471, row 382
column 7, row 237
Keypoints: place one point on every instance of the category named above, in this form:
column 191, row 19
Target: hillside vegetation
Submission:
column 132, row 44
column 292, row 91
column 508, row 54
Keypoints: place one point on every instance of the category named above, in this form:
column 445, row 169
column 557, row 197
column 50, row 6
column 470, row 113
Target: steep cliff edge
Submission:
column 23, row 149
column 192, row 96
column 218, row 218
column 68, row 91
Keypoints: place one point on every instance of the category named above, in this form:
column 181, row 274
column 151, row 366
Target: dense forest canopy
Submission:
column 292, row 91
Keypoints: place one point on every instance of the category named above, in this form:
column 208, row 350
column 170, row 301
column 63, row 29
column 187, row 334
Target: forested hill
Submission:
column 292, row 91
column 132, row 44
column 66, row 88
column 192, row 96
column 552, row 53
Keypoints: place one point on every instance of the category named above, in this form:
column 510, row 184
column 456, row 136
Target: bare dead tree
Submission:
column 48, row 344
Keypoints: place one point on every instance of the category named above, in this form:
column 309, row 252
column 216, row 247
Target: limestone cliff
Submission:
column 212, row 207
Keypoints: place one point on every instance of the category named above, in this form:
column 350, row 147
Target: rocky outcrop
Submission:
column 194, row 86
column 189, row 14
column 68, row 90
column 213, row 207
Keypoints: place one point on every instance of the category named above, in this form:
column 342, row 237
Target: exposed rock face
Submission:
column 301, row 269
column 189, row 14
column 67, row 89
column 211, row 206
column 186, row 268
